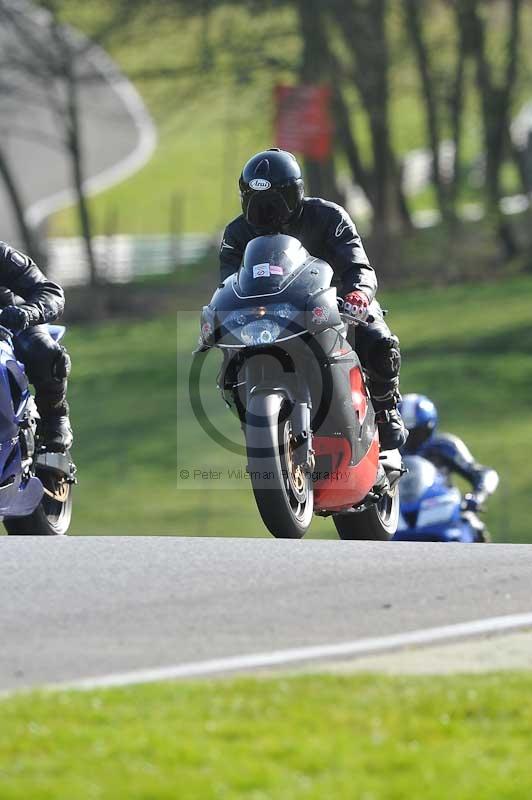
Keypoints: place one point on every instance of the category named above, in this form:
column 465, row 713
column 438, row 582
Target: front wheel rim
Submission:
column 57, row 503
column 387, row 510
column 296, row 481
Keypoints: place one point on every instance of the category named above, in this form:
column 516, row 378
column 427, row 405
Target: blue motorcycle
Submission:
column 431, row 510
column 35, row 486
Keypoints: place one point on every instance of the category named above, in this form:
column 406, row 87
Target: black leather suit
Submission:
column 327, row 232
column 47, row 362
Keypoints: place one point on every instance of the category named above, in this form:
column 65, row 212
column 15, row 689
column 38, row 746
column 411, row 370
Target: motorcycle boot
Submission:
column 382, row 356
column 54, row 429
column 48, row 367
column 385, row 397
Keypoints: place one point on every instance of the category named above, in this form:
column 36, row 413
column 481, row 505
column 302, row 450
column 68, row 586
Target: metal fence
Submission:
column 121, row 258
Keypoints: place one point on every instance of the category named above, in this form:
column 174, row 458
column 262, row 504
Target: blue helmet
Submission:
column 420, row 416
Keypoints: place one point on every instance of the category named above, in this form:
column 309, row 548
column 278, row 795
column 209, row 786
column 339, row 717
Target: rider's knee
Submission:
column 384, row 358
column 47, row 361
column 61, row 364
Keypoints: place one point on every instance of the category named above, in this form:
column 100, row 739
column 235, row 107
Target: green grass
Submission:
column 289, row 738
column 188, row 185
column 207, row 124
column 467, row 347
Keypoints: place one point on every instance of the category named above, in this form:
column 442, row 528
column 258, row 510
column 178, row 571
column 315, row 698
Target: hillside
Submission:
column 209, row 123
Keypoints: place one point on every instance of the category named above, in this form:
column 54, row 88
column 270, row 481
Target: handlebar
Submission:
column 354, row 321
column 350, row 319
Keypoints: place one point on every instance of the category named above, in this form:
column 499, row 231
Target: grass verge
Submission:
column 313, row 737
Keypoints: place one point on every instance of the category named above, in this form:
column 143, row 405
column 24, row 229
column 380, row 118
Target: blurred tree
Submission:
column 43, row 52
column 316, row 67
column 413, row 12
column 362, row 26
column 242, row 57
column 14, row 192
column 352, row 44
column 455, row 102
column 496, row 98
column 8, row 97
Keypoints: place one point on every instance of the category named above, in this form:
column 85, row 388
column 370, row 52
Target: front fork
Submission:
column 303, row 454
column 278, row 375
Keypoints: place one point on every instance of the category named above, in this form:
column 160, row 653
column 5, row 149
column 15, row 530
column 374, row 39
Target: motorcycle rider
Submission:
column 47, row 362
column 448, row 453
column 273, row 201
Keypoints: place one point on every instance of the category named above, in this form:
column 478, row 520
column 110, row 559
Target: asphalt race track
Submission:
column 75, row 608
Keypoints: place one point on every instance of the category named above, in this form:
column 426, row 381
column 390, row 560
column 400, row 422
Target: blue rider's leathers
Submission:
column 450, row 455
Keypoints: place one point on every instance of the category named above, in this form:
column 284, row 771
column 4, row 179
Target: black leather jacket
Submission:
column 43, row 300
column 325, row 230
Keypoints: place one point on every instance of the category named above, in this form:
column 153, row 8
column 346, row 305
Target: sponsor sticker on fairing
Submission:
column 261, row 271
column 206, row 330
column 275, row 270
column 320, row 314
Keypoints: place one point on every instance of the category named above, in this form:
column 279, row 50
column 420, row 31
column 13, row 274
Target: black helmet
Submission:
column 271, row 190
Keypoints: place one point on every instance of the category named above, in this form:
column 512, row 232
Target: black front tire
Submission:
column 285, row 505
column 50, row 518
column 377, row 524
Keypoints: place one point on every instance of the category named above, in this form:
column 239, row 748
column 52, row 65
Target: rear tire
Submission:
column 285, row 498
column 378, row 523
column 51, row 517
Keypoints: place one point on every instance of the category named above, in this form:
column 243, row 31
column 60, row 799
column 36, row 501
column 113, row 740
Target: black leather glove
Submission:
column 15, row 318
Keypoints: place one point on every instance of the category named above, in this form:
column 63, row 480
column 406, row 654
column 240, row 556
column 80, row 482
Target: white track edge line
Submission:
column 127, row 166
column 301, row 654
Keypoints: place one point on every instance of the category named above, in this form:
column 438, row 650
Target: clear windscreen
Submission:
column 268, row 261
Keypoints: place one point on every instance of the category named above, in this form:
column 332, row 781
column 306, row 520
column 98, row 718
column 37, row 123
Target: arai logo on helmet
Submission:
column 260, row 184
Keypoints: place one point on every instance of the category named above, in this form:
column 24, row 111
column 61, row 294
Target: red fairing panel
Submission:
column 345, row 485
column 358, row 393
